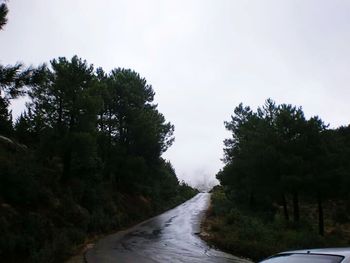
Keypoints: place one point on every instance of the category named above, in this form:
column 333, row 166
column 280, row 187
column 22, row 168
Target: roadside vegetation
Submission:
column 284, row 183
column 256, row 234
column 83, row 159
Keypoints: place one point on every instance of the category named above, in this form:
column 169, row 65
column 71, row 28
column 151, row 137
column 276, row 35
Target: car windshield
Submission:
column 304, row 258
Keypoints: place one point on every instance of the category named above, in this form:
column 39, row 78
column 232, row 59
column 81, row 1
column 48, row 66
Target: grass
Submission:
column 251, row 235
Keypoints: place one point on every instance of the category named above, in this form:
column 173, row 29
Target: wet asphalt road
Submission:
column 169, row 237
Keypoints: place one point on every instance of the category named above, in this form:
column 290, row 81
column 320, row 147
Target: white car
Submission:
column 322, row 255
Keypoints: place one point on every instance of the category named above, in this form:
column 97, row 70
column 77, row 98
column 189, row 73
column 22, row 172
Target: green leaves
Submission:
column 130, row 118
column 276, row 153
column 272, row 150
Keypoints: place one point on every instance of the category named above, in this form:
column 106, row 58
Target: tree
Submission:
column 91, row 160
column 6, row 128
column 130, row 126
column 13, row 79
column 275, row 152
column 65, row 102
column 3, row 15
column 290, row 124
column 250, row 155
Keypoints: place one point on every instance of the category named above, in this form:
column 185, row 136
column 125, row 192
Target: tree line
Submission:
column 278, row 157
column 85, row 157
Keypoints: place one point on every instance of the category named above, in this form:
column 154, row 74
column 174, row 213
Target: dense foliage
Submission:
column 83, row 159
column 277, row 159
column 254, row 235
column 284, row 183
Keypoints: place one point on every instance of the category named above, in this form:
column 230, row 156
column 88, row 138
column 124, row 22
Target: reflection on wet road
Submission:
column 169, row 237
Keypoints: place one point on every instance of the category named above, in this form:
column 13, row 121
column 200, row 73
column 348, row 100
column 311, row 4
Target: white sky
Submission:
column 202, row 58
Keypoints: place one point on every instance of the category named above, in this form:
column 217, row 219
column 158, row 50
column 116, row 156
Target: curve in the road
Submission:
column 169, row 237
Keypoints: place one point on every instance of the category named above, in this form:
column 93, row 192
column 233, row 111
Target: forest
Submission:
column 83, row 159
column 284, row 183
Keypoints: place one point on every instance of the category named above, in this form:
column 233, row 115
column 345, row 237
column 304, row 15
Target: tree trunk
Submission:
column 320, row 216
column 285, row 208
column 296, row 213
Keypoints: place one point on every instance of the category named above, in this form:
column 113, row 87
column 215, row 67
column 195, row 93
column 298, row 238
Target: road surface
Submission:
column 170, row 237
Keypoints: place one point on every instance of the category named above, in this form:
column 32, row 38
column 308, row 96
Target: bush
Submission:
column 256, row 236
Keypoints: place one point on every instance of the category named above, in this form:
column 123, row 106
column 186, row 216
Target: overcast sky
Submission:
column 202, row 58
